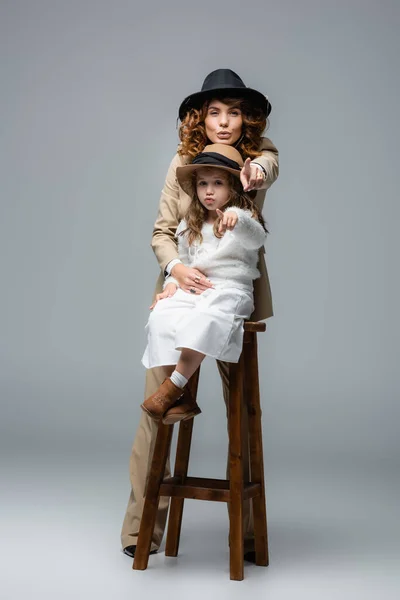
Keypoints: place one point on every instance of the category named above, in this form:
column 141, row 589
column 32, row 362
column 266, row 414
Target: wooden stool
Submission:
column 243, row 378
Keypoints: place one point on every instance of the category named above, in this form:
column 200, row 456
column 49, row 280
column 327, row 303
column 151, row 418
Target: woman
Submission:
column 225, row 111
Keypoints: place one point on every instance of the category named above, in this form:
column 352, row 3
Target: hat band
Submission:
column 214, row 158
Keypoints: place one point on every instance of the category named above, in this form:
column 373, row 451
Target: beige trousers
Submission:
column 140, row 463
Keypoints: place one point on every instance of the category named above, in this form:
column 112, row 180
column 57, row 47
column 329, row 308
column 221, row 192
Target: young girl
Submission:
column 220, row 235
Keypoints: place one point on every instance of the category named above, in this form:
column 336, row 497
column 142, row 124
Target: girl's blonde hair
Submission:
column 196, row 214
column 192, row 131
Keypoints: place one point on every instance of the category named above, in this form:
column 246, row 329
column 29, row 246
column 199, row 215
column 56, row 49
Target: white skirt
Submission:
column 211, row 323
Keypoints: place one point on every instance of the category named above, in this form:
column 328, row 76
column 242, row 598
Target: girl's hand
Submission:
column 170, row 290
column 190, row 279
column 251, row 176
column 228, row 220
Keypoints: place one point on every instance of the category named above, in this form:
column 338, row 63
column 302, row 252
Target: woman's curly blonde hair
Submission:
column 196, row 214
column 192, row 131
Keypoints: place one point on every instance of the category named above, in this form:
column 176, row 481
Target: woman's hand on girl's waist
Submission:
column 190, row 279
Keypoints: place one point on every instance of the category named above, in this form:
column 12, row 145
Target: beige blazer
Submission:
column 174, row 203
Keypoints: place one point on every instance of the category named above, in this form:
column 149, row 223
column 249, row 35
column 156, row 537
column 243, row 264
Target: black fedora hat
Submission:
column 221, row 81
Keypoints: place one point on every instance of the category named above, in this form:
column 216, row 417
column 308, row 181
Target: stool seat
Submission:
column 243, row 394
column 254, row 326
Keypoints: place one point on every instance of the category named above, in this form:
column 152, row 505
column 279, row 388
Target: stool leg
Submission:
column 181, row 470
column 156, row 476
column 236, row 545
column 176, row 505
column 252, row 397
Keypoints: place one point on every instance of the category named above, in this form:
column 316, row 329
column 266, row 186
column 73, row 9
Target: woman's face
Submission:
column 223, row 123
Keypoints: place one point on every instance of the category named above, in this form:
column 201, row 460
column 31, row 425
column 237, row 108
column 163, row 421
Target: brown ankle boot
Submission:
column 166, row 396
column 185, row 408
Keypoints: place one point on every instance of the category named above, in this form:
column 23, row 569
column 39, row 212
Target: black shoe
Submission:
column 130, row 551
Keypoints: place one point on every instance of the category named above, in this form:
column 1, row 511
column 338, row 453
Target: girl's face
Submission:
column 212, row 186
column 223, row 123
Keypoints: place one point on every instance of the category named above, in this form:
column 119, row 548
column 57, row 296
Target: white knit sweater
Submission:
column 236, row 256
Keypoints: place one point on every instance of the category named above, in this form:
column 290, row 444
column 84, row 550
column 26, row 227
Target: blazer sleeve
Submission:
column 183, row 251
column 248, row 231
column 163, row 241
column 269, row 159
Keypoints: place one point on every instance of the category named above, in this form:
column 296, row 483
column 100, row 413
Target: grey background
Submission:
column 89, row 98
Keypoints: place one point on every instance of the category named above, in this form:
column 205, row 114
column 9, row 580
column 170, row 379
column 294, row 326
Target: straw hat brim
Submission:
column 184, row 174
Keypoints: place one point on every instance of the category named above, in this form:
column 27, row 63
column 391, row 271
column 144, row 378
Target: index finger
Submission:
column 246, row 166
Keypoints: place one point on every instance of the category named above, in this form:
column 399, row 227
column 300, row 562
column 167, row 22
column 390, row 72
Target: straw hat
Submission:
column 217, row 156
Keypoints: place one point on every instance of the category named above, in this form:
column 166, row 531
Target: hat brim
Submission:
column 196, row 100
column 184, row 174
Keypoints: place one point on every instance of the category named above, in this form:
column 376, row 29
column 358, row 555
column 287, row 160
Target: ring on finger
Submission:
column 197, row 279
column 192, row 291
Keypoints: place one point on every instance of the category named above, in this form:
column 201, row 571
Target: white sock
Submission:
column 178, row 379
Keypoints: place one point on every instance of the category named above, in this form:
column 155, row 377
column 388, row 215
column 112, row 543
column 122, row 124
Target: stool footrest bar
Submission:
column 200, row 488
